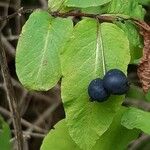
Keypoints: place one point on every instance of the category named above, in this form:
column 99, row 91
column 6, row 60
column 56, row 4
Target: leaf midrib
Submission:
column 44, row 51
column 99, row 52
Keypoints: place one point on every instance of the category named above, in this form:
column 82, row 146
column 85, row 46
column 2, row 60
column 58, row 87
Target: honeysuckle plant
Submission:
column 77, row 41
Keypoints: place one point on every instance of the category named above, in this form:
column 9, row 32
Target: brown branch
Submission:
column 38, row 96
column 8, row 46
column 78, row 14
column 142, row 24
column 5, row 13
column 102, row 18
column 23, row 121
column 33, row 134
column 45, row 115
column 11, row 98
column 137, row 103
column 44, row 4
column 18, row 17
column 19, row 12
column 63, row 15
column 36, row 135
column 137, row 143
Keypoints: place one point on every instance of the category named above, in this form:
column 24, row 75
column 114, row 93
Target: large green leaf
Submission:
column 127, row 7
column 59, row 139
column 4, row 135
column 136, row 118
column 82, row 61
column 37, row 58
column 116, row 137
column 86, row 3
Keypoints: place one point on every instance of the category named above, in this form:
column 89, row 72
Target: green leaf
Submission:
column 136, row 61
column 116, row 137
column 95, row 10
column 4, row 135
column 127, row 7
column 144, row 2
column 91, row 45
column 59, row 139
column 135, row 93
column 147, row 96
column 135, row 40
column 136, row 118
column 55, row 5
column 85, row 3
column 37, row 57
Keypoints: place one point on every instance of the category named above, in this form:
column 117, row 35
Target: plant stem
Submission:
column 101, row 18
column 11, row 98
column 63, row 15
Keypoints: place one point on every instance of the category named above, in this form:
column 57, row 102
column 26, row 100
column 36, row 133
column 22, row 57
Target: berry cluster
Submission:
column 114, row 82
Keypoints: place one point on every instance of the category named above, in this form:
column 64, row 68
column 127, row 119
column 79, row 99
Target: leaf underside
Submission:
column 135, row 118
column 37, row 56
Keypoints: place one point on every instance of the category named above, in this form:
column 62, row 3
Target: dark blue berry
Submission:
column 97, row 91
column 116, row 82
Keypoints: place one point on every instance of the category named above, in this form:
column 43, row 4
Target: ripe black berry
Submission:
column 115, row 82
column 97, row 91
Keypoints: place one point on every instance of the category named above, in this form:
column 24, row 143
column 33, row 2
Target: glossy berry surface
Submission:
column 97, row 91
column 116, row 82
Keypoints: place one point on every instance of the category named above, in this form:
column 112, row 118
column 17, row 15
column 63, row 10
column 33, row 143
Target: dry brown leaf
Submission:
column 144, row 66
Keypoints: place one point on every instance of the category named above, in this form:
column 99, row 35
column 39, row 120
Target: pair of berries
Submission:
column 114, row 82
